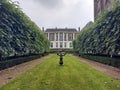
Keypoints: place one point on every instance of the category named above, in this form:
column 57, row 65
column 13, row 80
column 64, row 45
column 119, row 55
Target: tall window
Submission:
column 71, row 45
column 51, row 36
column 56, row 36
column 56, row 44
column 65, row 45
column 65, row 37
column 51, row 44
column 61, row 44
column 70, row 36
column 61, row 36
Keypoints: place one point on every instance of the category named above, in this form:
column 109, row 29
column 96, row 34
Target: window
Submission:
column 56, row 44
column 70, row 36
column 51, row 36
column 56, row 36
column 61, row 44
column 65, row 39
column 61, row 36
column 51, row 44
column 71, row 45
column 65, row 45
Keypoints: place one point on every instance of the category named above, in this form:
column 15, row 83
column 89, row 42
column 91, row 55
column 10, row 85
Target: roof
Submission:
column 61, row 30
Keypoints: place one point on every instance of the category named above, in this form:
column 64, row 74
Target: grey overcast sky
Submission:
column 58, row 13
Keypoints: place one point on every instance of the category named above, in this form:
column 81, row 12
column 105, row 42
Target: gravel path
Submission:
column 9, row 74
column 109, row 70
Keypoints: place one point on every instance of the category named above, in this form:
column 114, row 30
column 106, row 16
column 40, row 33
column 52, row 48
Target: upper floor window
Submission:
column 65, row 37
column 61, row 36
column 51, row 36
column 70, row 36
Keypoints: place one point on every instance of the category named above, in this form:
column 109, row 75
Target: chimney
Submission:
column 79, row 29
column 56, row 28
column 43, row 29
column 66, row 28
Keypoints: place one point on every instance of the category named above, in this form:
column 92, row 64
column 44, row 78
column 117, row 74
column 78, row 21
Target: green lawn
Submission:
column 73, row 75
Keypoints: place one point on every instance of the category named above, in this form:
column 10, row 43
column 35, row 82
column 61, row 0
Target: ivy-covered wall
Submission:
column 18, row 34
column 102, row 37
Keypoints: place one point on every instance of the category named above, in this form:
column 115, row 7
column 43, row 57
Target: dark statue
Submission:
column 61, row 53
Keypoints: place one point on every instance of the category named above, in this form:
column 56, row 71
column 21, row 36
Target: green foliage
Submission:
column 102, row 37
column 73, row 75
column 18, row 34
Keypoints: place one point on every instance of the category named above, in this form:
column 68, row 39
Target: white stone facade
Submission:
column 61, row 38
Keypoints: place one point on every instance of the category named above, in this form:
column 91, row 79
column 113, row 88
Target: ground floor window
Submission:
column 71, row 45
column 51, row 44
column 61, row 44
column 65, row 45
column 56, row 44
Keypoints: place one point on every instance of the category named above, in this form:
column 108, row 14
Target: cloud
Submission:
column 50, row 4
column 58, row 13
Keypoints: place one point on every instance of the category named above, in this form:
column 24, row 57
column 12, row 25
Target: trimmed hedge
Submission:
column 21, row 39
column 19, row 35
column 115, row 61
column 103, row 36
column 66, row 50
column 12, row 61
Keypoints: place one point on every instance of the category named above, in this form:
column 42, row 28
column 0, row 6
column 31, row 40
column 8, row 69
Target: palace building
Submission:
column 61, row 38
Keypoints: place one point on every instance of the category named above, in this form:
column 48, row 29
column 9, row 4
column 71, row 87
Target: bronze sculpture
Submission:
column 61, row 54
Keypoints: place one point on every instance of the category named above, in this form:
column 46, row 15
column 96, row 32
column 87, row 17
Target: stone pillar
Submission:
column 66, row 36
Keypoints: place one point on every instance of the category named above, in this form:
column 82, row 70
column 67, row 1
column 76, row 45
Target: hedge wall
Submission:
column 102, row 37
column 19, row 35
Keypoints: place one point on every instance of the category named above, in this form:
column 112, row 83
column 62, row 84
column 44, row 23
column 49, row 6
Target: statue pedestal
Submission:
column 61, row 61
